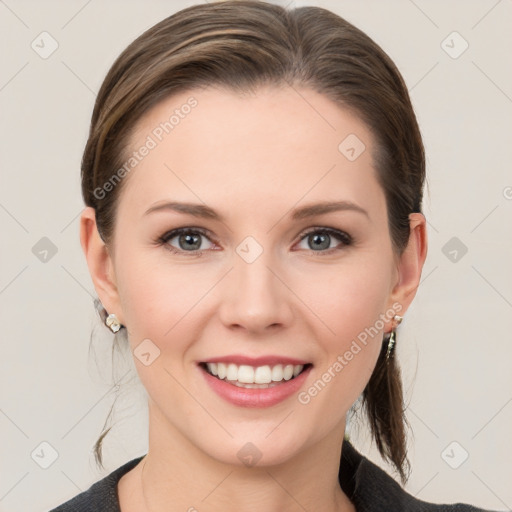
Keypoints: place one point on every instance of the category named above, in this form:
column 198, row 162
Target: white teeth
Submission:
column 277, row 373
column 221, row 370
column 288, row 372
column 263, row 375
column 232, row 372
column 245, row 374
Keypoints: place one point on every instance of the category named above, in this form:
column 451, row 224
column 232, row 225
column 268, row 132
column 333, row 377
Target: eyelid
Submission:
column 173, row 233
column 345, row 238
column 338, row 233
column 185, row 229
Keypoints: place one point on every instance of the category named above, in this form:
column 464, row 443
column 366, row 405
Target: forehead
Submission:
column 278, row 144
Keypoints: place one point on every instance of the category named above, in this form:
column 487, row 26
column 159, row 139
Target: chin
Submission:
column 255, row 447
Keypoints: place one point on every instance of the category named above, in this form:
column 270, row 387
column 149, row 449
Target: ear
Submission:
column 410, row 263
column 100, row 263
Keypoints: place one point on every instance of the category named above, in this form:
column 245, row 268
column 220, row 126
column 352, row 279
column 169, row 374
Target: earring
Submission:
column 397, row 320
column 112, row 322
column 391, row 344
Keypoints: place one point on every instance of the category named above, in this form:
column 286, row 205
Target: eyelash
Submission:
column 343, row 237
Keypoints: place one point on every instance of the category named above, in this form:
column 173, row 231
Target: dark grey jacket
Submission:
column 369, row 488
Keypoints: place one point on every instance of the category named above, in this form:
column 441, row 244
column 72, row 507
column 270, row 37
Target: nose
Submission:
column 254, row 297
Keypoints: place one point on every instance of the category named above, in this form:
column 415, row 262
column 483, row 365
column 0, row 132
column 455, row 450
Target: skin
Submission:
column 253, row 159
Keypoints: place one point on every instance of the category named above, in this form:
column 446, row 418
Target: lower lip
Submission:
column 255, row 397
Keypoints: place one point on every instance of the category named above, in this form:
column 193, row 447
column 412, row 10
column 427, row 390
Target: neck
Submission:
column 176, row 475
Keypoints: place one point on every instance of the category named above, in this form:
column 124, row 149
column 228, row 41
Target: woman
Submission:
column 253, row 186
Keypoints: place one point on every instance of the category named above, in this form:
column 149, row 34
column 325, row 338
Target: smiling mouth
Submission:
column 251, row 377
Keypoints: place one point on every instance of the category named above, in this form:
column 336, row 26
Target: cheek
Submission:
column 350, row 304
column 347, row 298
column 160, row 303
column 157, row 296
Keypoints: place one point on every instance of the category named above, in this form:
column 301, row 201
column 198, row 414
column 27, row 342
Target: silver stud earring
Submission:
column 112, row 322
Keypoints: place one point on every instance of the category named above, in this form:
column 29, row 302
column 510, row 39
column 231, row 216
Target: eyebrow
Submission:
column 203, row 211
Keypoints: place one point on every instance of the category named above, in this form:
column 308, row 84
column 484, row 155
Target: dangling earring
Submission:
column 392, row 336
column 112, row 322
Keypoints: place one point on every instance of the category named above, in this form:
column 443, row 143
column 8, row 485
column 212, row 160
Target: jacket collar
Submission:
column 369, row 487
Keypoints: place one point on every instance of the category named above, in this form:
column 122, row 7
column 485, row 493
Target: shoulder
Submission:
column 371, row 489
column 102, row 495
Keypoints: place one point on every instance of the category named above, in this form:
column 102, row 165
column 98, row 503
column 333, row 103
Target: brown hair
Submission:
column 244, row 44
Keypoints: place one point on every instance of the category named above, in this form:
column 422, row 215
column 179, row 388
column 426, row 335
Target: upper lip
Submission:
column 270, row 360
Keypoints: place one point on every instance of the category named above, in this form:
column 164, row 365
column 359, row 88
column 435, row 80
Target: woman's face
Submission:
column 261, row 278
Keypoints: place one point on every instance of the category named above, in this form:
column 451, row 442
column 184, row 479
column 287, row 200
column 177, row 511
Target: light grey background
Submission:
column 454, row 345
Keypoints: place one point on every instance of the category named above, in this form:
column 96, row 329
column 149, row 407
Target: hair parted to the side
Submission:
column 242, row 45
